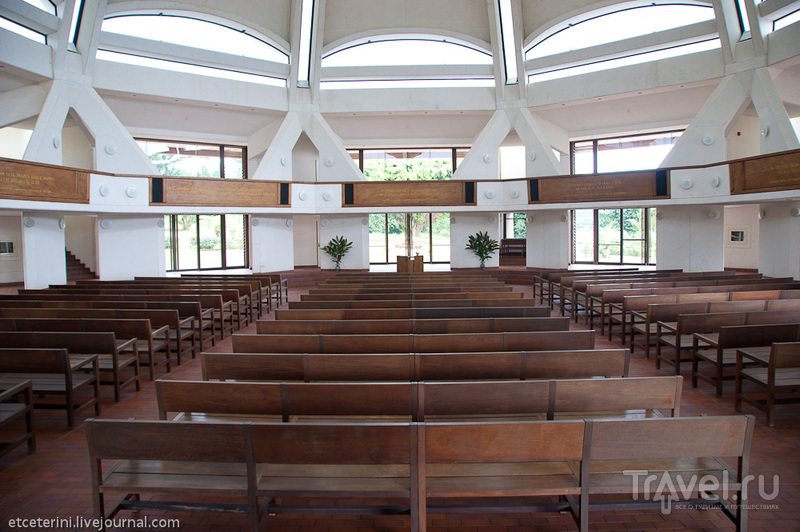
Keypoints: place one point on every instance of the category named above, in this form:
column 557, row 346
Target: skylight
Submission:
column 509, row 46
column 44, row 5
column 406, row 51
column 196, row 33
column 304, row 52
column 176, row 66
column 633, row 21
column 22, row 30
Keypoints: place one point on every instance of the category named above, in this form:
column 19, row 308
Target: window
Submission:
column 515, row 225
column 508, row 42
column 6, row 247
column 613, row 236
column 407, row 62
column 203, row 242
column 787, row 20
column 24, row 31
column 75, row 23
column 620, row 154
column 250, row 57
column 650, row 32
column 393, row 234
column 424, row 164
column 174, row 158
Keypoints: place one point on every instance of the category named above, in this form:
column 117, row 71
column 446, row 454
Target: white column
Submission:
column 272, row 243
column 355, row 228
column 462, row 225
column 691, row 238
column 130, row 246
column 779, row 240
column 43, row 249
column 548, row 239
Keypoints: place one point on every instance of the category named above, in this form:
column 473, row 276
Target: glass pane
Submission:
column 210, row 243
column 401, row 165
column 420, row 234
column 608, row 235
column 520, row 225
column 187, row 242
column 633, row 249
column 441, row 237
column 396, row 227
column 168, row 242
column 460, row 155
column 377, row 239
column 234, row 162
column 406, row 52
column 634, row 153
column 583, row 158
column 235, row 249
column 583, row 235
column 181, row 159
column 651, row 235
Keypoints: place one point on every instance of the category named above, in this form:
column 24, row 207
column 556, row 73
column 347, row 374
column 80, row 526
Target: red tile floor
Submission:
column 54, row 481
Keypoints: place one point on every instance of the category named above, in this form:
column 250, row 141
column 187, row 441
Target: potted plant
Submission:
column 336, row 249
column 483, row 246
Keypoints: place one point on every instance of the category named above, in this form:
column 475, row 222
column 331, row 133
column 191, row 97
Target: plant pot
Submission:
column 483, row 265
column 337, row 267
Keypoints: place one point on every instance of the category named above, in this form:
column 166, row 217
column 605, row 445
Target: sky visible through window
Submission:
column 194, row 33
column 399, row 51
column 618, row 26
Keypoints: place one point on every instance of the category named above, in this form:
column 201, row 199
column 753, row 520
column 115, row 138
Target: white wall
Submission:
column 304, row 160
column 304, row 235
column 11, row 265
column 81, row 239
column 742, row 254
column 779, row 248
column 689, row 239
column 548, row 239
column 130, row 246
column 272, row 243
column 355, row 230
column 462, row 225
column 44, row 260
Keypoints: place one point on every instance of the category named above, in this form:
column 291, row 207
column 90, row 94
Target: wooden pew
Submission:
column 416, row 303
column 149, row 342
column 52, row 372
column 686, row 325
column 781, row 374
column 112, row 356
column 513, row 462
column 16, row 403
column 251, row 306
column 249, row 462
column 274, row 285
column 395, row 367
column 411, row 326
column 412, row 296
column 194, row 317
column 721, row 350
column 417, row 401
column 639, row 459
column 413, row 343
column 412, row 313
column 223, row 302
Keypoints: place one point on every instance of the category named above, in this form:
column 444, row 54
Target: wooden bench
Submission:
column 411, row 313
column 251, row 461
column 417, row 401
column 274, row 286
column 52, row 372
column 16, row 403
column 513, row 247
column 679, row 336
column 722, row 346
column 653, row 463
column 149, row 342
column 518, row 365
column 776, row 383
column 194, row 317
column 411, row 303
column 112, row 356
column 412, row 343
column 411, row 326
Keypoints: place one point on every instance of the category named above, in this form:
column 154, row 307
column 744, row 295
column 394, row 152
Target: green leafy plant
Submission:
column 337, row 248
column 482, row 245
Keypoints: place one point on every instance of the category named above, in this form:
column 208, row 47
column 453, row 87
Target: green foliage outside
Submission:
column 408, row 170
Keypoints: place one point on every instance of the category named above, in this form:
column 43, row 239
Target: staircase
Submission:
column 77, row 270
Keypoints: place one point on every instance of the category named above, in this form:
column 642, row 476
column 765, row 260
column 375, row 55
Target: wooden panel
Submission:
column 606, row 187
column 766, row 174
column 26, row 181
column 408, row 193
column 221, row 193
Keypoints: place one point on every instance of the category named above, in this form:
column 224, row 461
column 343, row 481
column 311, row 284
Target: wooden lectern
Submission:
column 407, row 264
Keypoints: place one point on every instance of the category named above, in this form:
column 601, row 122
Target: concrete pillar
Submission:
column 271, row 243
column 130, row 246
column 355, row 228
column 462, row 225
column 43, row 251
column 779, row 239
column 691, row 238
column 548, row 239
